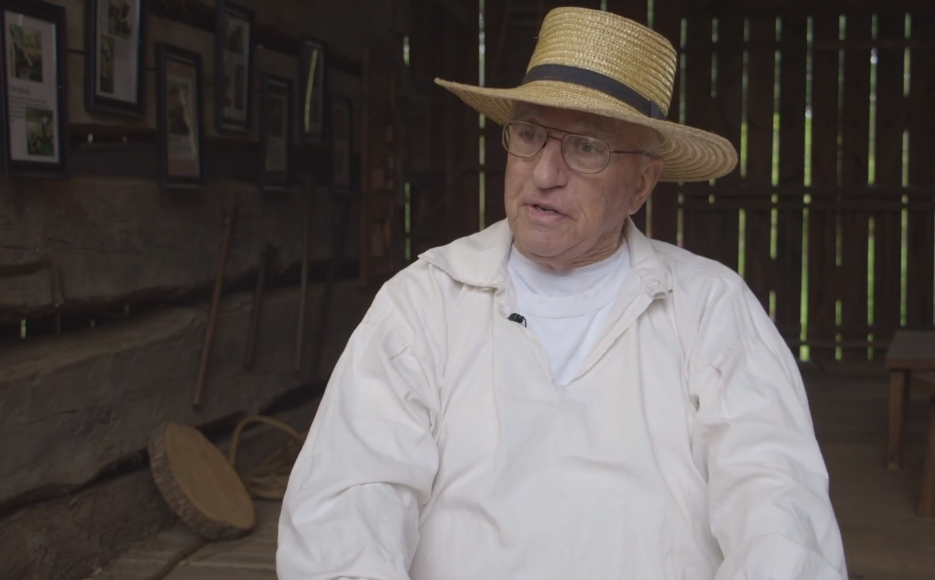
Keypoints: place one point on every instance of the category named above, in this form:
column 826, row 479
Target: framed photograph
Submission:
column 233, row 51
column 33, row 91
column 275, row 132
column 115, row 53
column 342, row 113
column 179, row 117
column 311, row 89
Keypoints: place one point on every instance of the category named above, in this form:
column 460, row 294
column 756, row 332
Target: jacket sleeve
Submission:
column 754, row 441
column 352, row 506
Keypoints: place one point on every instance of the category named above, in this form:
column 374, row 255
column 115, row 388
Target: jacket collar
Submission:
column 481, row 259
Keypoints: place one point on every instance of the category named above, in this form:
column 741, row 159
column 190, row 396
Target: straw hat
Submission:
column 602, row 63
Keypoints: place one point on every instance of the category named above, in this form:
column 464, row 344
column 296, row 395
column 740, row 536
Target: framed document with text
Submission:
column 34, row 97
column 233, row 66
column 275, row 132
column 179, row 117
column 115, row 53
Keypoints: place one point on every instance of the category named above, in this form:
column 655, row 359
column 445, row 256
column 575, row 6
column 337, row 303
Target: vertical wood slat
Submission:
column 468, row 133
column 792, row 79
column 724, row 227
column 888, row 149
column 636, row 11
column 855, row 130
column 758, row 268
column 664, row 211
column 494, row 154
column 698, row 113
column 921, row 226
column 823, row 272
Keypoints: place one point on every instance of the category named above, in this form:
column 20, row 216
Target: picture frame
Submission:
column 179, row 117
column 233, row 66
column 33, row 90
column 311, row 89
column 342, row 139
column 115, row 57
column 276, row 122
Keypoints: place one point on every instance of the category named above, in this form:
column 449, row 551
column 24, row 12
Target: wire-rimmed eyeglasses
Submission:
column 582, row 153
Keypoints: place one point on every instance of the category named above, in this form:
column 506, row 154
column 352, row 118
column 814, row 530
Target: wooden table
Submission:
column 910, row 359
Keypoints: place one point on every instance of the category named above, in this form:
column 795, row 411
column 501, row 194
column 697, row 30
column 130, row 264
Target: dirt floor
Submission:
column 884, row 538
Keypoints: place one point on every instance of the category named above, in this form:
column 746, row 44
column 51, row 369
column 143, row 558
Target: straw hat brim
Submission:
column 689, row 154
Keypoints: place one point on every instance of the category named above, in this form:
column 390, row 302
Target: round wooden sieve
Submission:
column 199, row 484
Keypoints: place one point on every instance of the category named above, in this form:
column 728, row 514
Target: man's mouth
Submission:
column 546, row 208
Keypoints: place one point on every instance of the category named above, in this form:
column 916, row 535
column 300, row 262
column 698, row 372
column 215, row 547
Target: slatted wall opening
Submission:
column 830, row 215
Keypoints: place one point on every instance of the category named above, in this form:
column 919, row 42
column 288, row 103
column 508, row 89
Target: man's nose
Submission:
column 551, row 170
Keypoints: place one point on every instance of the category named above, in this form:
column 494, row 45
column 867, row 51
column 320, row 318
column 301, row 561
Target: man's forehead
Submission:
column 566, row 116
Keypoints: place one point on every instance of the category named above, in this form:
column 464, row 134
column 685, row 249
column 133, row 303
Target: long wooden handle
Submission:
column 254, row 333
column 303, row 294
column 213, row 312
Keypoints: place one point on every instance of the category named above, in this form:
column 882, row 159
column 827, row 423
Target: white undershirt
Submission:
column 567, row 311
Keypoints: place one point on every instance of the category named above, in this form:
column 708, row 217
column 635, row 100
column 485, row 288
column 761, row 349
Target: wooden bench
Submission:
column 910, row 359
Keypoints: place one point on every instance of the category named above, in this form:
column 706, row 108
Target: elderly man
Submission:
column 558, row 396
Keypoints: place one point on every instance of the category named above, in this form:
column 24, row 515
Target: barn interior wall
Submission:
column 106, row 280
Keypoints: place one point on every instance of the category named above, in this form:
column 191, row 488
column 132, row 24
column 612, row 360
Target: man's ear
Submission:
column 650, row 171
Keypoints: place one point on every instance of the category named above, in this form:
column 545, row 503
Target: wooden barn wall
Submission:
column 109, row 276
column 829, row 216
column 442, row 132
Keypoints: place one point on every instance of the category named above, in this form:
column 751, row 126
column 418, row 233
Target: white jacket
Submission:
column 683, row 450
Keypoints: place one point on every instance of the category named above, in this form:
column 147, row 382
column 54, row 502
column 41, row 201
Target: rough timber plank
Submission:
column 921, row 227
column 888, row 149
column 759, row 266
column 71, row 405
column 77, row 536
column 855, row 144
column 121, row 240
column 68, row 538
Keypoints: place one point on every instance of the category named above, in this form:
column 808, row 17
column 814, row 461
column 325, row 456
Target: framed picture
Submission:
column 179, row 117
column 342, row 112
column 233, row 51
column 311, row 89
column 115, row 53
column 275, row 132
column 33, row 91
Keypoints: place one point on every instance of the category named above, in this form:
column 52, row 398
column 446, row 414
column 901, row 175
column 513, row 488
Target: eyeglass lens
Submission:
column 581, row 153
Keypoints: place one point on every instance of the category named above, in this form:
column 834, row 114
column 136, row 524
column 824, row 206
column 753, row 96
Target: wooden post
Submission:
column 823, row 279
column 890, row 124
column 790, row 210
column 303, row 291
column 663, row 207
column 254, row 332
column 855, row 223
column 899, row 397
column 759, row 273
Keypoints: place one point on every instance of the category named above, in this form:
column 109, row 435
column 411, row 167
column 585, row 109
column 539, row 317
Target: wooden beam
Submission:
column 121, row 240
column 72, row 405
column 70, row 538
